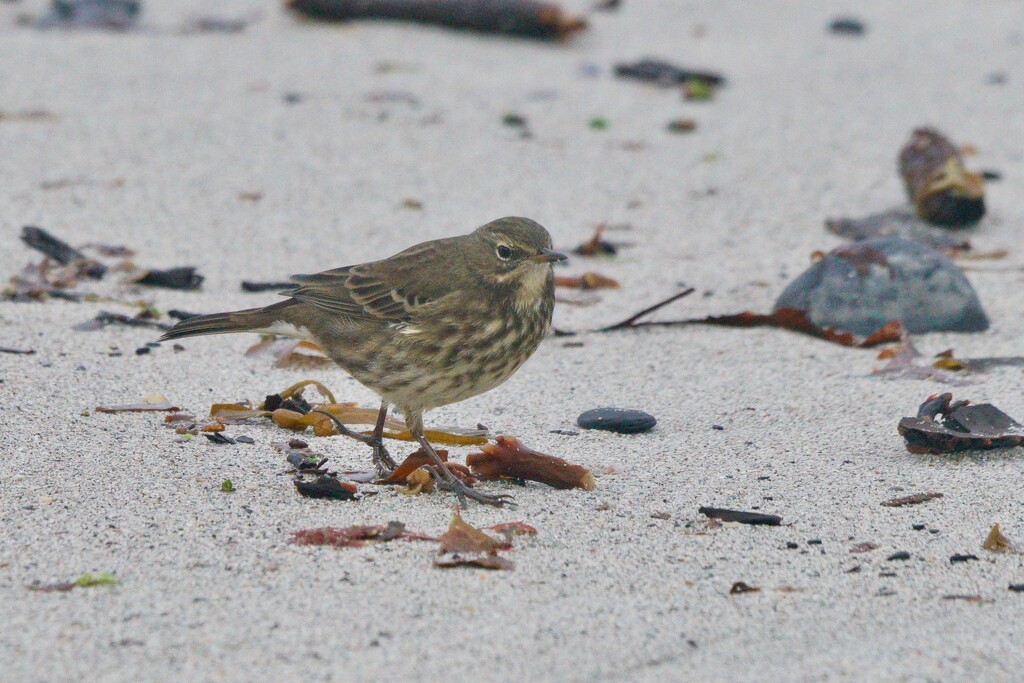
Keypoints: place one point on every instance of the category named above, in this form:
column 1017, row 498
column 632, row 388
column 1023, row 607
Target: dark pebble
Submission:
column 962, row 558
column 991, row 175
column 142, row 350
column 244, row 439
column 918, row 527
column 846, row 26
column 792, row 546
column 617, row 420
column 814, row 541
column 901, row 555
column 718, row 428
column 1017, row 587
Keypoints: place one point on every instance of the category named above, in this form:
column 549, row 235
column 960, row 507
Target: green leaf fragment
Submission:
column 227, row 487
column 100, row 579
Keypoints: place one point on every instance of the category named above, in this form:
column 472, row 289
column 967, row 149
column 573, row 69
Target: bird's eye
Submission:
column 504, row 252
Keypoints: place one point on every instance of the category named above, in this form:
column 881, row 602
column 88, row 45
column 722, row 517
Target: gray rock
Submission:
column 860, row 287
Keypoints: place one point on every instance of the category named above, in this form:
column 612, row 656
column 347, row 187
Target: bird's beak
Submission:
column 548, row 256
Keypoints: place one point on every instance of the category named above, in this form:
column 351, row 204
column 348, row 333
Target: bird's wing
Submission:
column 394, row 289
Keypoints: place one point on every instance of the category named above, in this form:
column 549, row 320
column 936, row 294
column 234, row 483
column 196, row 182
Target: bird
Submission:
column 435, row 324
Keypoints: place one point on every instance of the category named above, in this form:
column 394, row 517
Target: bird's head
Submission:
column 514, row 251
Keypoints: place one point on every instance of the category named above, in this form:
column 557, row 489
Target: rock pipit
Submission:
column 432, row 325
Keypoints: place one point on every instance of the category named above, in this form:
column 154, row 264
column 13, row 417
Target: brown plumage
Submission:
column 435, row 324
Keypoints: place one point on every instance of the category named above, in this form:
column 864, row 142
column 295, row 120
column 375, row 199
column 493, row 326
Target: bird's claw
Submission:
column 465, row 492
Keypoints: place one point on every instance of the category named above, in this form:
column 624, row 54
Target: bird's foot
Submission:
column 382, row 460
column 464, row 491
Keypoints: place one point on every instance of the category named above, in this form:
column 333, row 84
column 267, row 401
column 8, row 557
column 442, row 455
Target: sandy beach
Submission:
column 363, row 139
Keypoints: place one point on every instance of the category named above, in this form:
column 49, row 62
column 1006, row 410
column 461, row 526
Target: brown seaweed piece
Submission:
column 942, row 426
column 588, row 280
column 463, row 545
column 915, row 499
column 996, row 542
column 796, row 320
column 508, row 458
column 941, row 189
column 418, row 459
column 356, row 536
column 526, row 18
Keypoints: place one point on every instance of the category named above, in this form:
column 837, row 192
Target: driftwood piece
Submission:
column 527, row 18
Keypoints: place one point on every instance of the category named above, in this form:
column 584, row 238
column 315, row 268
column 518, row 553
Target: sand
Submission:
column 159, row 133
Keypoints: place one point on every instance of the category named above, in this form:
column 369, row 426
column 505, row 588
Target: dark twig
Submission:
column 632, row 320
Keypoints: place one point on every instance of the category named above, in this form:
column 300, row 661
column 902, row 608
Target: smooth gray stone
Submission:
column 860, row 287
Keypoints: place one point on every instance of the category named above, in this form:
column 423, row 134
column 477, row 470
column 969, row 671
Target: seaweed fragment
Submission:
column 463, row 545
column 326, row 486
column 508, row 458
column 915, row 499
column 356, row 536
column 942, row 426
column 996, row 542
column 526, row 18
column 61, row 252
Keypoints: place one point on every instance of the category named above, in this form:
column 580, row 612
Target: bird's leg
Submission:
column 452, row 483
column 380, row 453
column 381, row 458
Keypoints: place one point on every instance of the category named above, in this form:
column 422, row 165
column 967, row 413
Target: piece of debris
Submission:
column 598, row 123
column 184, row 278
column 903, row 364
column 942, row 426
column 941, row 189
column 84, row 581
column 118, row 15
column 740, row 516
column 740, row 587
column 150, row 404
column 967, row 598
column 526, row 18
column 596, row 246
column 34, row 115
column 253, row 286
column 665, row 74
column 356, row 536
column 62, row 252
column 618, row 420
column 508, row 458
column 465, row 546
column 1016, row 587
column 902, row 555
column 588, row 280
column 898, row 223
column 218, row 438
column 698, row 90
column 681, row 126
column 915, row 499
column 227, row 487
column 17, row 352
column 864, row 547
column 997, row 543
column 513, row 120
column 846, row 26
column 955, row 559
column 864, row 286
column 215, row 24
column 105, row 318
column 326, row 486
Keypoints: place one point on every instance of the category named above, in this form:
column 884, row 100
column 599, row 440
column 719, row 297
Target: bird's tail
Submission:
column 249, row 320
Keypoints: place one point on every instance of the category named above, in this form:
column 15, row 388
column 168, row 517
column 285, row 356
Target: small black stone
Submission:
column 814, row 541
column 617, row 420
column 901, row 555
column 792, row 546
column 142, row 350
column 962, row 558
column 1017, row 587
column 846, row 26
column 718, row 428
